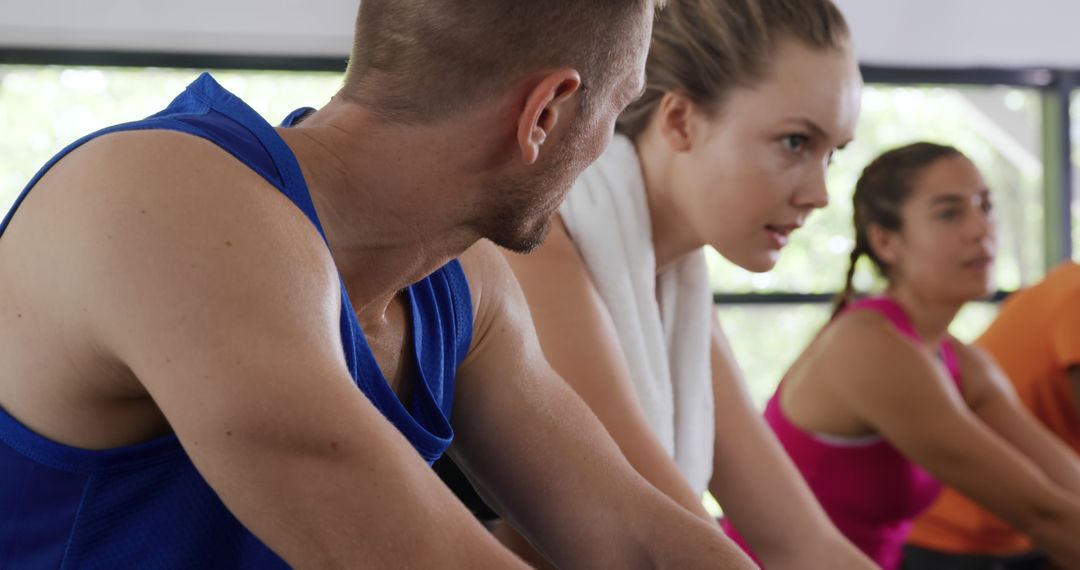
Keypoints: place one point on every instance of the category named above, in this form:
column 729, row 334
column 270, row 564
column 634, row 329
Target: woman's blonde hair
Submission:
column 705, row 48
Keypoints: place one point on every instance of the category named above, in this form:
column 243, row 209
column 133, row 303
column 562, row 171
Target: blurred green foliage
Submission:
column 43, row 108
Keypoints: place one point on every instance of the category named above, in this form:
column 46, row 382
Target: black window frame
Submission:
column 1055, row 86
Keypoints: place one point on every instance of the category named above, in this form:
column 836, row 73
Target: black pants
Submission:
column 916, row 558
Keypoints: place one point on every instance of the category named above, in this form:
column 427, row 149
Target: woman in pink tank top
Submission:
column 884, row 404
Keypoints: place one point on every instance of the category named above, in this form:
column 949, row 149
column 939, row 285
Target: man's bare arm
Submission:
column 221, row 298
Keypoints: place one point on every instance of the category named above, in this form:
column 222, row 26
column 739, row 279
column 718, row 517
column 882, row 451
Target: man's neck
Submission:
column 391, row 211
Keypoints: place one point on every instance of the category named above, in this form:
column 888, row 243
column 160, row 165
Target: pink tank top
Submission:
column 870, row 490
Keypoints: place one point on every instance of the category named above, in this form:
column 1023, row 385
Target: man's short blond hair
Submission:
column 416, row 61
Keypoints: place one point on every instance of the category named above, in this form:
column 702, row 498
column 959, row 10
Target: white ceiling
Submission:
column 924, row 33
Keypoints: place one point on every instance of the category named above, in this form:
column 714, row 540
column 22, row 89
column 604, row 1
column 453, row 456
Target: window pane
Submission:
column 766, row 339
column 1074, row 112
column 997, row 127
column 47, row 107
column 972, row 320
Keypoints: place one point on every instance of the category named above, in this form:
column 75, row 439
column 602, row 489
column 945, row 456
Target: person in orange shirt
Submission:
column 1036, row 340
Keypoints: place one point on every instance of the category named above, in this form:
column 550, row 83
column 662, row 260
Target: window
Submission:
column 1074, row 105
column 997, row 127
column 48, row 107
column 767, row 338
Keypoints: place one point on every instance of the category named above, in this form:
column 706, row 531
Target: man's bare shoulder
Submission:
column 119, row 171
column 147, row 220
column 141, row 252
column 488, row 275
column 500, row 271
column 162, row 190
column 499, row 307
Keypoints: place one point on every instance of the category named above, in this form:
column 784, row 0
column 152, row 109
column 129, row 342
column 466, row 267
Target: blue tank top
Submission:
column 145, row 505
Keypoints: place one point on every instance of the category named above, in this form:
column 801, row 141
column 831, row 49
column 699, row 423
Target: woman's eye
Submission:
column 795, row 143
column 949, row 215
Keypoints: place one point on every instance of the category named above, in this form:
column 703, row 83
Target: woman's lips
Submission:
column 779, row 235
column 980, row 262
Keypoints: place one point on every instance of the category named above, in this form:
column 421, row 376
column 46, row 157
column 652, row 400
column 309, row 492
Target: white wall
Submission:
column 966, row 33
column 272, row 27
column 937, row 33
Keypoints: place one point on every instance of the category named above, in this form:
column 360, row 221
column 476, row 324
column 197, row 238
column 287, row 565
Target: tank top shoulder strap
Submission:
column 460, row 301
column 227, row 121
column 948, row 358
column 889, row 309
column 900, row 319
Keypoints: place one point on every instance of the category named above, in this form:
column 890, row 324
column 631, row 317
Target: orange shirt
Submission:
column 1035, row 338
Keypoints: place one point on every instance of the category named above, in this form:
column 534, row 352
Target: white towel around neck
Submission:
column 663, row 321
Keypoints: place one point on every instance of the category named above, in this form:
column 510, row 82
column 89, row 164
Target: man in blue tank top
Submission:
column 229, row 345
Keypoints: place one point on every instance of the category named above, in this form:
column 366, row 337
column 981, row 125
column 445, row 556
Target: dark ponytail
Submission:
column 848, row 292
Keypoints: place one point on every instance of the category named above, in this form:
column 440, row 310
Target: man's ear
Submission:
column 677, row 118
column 545, row 105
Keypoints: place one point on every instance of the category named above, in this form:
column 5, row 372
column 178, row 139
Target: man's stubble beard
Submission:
column 520, row 211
